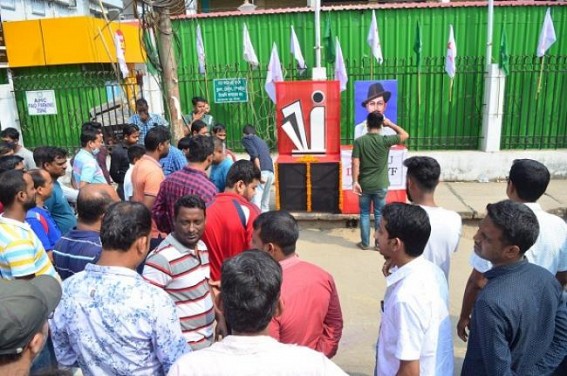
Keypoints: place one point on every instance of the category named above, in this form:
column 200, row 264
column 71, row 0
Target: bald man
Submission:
column 81, row 245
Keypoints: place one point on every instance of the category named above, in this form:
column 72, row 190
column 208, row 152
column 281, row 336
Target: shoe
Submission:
column 362, row 246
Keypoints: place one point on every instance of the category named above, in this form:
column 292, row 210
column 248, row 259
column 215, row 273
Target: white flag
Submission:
column 200, row 50
column 296, row 51
column 340, row 68
column 274, row 74
column 450, row 66
column 374, row 40
column 119, row 45
column 546, row 36
column 249, row 53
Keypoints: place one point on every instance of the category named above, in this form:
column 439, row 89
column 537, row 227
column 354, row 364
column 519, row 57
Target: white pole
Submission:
column 317, row 33
column 489, row 27
column 318, row 72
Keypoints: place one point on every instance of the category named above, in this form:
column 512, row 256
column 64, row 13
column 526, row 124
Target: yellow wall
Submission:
column 70, row 40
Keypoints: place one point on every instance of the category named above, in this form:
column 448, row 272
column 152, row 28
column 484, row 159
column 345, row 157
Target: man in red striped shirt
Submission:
column 191, row 180
column 180, row 266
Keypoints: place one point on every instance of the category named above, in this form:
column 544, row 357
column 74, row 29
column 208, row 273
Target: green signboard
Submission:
column 230, row 90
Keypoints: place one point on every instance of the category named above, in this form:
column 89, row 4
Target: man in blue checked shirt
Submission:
column 110, row 321
column 145, row 120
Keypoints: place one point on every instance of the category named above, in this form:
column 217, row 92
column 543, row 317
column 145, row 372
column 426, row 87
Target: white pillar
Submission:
column 493, row 108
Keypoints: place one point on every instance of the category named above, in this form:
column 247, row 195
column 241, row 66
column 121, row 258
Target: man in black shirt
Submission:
column 519, row 320
column 119, row 162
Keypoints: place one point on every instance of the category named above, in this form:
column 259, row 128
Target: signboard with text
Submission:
column 41, row 102
column 230, row 90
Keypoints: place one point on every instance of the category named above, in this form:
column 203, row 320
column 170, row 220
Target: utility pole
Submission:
column 169, row 73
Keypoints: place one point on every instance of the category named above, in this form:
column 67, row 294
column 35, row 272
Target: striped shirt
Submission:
column 21, row 252
column 184, row 273
column 75, row 250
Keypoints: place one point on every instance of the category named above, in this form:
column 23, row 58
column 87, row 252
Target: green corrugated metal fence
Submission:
column 432, row 120
column 434, row 123
column 79, row 93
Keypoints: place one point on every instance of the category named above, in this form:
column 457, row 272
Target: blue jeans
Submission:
column 364, row 201
column 262, row 197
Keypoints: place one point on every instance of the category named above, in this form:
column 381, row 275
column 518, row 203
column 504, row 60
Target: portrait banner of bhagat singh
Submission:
column 380, row 96
column 372, row 96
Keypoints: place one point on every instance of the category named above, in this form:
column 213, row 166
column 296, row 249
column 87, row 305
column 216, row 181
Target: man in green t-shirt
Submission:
column 370, row 170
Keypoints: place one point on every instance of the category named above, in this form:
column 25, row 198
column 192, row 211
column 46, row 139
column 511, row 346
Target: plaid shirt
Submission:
column 187, row 181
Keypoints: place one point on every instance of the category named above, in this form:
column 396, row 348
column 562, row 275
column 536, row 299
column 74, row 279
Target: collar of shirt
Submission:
column 195, row 171
column 243, row 344
column 13, row 222
column 182, row 248
column 148, row 158
column 402, row 272
column 534, row 206
column 116, row 270
column 497, row 271
column 139, row 120
column 290, row 261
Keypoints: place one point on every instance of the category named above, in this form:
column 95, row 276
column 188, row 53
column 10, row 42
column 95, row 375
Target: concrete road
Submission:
column 361, row 287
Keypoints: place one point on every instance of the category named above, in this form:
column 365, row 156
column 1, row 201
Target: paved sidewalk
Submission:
column 469, row 199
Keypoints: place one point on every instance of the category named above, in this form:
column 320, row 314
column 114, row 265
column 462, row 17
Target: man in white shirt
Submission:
column 527, row 181
column 250, row 297
column 446, row 225
column 415, row 333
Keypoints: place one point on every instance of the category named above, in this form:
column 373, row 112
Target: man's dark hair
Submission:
column 89, row 133
column 517, row 222
column 37, row 177
column 197, row 126
column 5, row 148
column 242, row 170
column 155, row 136
column 90, row 207
column 10, row 132
column 374, row 120
column 141, row 102
column 251, row 285
column 280, row 228
column 196, row 100
column 123, row 224
column 129, row 129
column 135, row 152
column 200, row 148
column 189, row 202
column 410, row 224
column 530, row 178
column 11, row 182
column 218, row 127
column 9, row 162
column 249, row 129
column 184, row 143
column 92, row 124
column 48, row 154
column 424, row 171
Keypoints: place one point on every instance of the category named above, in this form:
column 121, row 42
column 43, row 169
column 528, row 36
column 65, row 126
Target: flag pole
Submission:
column 451, row 90
column 318, row 73
column 540, row 76
column 418, row 87
column 371, row 68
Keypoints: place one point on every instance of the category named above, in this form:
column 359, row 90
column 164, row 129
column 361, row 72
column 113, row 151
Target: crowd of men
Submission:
column 183, row 269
